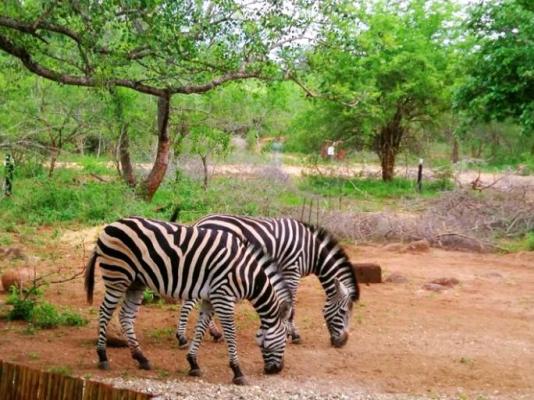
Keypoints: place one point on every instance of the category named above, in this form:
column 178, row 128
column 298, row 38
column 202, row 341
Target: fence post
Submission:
column 9, row 168
column 420, row 176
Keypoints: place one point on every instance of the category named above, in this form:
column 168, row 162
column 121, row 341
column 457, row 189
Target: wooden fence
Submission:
column 18, row 382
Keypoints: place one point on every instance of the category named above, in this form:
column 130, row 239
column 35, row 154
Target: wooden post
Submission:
column 9, row 167
column 420, row 176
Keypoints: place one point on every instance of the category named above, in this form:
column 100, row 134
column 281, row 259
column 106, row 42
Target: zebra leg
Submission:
column 214, row 332
column 109, row 304
column 224, row 309
column 206, row 314
column 293, row 331
column 128, row 313
column 187, row 307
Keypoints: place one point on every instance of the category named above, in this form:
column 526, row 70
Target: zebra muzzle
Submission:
column 273, row 368
column 339, row 341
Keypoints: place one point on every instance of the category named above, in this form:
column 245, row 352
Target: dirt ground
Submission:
column 474, row 339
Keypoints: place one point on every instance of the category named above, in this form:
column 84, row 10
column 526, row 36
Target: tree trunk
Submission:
column 387, row 145
column 99, row 149
column 54, row 154
column 455, row 156
column 205, row 167
column 124, row 157
column 152, row 182
column 387, row 162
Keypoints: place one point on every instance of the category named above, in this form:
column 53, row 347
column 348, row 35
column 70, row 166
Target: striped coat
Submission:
column 188, row 263
column 300, row 250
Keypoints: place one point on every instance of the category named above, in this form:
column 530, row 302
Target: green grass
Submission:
column 366, row 188
column 525, row 243
column 61, row 369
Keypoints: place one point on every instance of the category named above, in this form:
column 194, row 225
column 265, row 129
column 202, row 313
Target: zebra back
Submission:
column 291, row 242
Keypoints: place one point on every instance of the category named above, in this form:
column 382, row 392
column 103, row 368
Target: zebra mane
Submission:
column 323, row 234
column 271, row 268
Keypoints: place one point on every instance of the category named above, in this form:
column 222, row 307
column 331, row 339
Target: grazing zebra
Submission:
column 299, row 249
column 189, row 263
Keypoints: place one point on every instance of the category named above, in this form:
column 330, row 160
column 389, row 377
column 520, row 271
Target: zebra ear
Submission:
column 285, row 310
column 341, row 289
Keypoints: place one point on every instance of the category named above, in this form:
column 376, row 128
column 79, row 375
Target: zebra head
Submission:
column 272, row 340
column 337, row 313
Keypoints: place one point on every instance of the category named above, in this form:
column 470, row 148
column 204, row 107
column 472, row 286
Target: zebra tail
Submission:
column 90, row 277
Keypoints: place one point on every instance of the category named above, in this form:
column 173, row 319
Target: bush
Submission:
column 71, row 318
column 22, row 304
column 45, row 316
column 27, row 306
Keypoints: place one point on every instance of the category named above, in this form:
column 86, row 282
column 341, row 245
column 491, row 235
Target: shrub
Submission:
column 27, row 306
column 22, row 305
column 45, row 316
column 71, row 318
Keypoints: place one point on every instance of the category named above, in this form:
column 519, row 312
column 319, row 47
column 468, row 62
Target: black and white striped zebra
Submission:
column 299, row 249
column 188, row 263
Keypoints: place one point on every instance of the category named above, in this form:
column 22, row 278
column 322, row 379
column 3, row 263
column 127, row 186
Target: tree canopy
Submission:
column 382, row 68
column 500, row 67
column 157, row 47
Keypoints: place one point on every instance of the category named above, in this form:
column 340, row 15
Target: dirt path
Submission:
column 500, row 181
column 474, row 339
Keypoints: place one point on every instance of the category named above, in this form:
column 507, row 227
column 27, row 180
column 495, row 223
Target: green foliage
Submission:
column 365, row 188
column 148, row 296
column 23, row 303
column 29, row 306
column 205, row 141
column 530, row 241
column 500, row 63
column 383, row 71
column 45, row 316
column 72, row 318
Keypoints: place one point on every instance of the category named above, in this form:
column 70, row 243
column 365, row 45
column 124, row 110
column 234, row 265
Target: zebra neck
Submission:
column 331, row 266
column 267, row 306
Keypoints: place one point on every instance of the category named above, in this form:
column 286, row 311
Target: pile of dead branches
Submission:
column 461, row 219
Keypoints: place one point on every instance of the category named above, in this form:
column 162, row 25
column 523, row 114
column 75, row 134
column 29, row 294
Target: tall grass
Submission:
column 366, row 188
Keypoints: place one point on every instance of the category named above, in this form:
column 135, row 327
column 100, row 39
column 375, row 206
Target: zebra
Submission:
column 299, row 249
column 188, row 263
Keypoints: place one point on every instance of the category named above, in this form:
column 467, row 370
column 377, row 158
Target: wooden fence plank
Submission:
column 25, row 383
column 35, row 376
column 20, row 382
column 7, row 381
column 89, row 392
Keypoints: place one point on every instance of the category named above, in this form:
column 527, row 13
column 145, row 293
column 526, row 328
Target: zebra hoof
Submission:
column 145, row 365
column 195, row 372
column 182, row 342
column 296, row 339
column 103, row 365
column 218, row 338
column 240, row 380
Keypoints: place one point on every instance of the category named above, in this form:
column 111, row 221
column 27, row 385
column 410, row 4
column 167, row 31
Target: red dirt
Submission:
column 476, row 338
